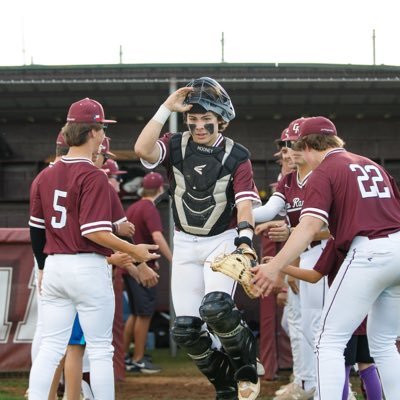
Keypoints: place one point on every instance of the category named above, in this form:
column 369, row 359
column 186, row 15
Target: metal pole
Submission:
column 373, row 46
column 222, row 48
column 173, row 127
column 120, row 53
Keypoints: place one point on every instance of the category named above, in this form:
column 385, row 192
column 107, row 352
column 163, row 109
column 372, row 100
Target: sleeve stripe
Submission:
column 83, row 233
column 253, row 199
column 124, row 219
column 248, row 192
column 106, row 223
column 315, row 210
column 279, row 195
column 36, row 226
column 36, row 219
column 315, row 216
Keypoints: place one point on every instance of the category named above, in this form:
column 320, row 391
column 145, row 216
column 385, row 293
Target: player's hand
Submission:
column 121, row 260
column 264, row 228
column 293, row 284
column 281, row 299
column 126, row 229
column 142, row 252
column 267, row 278
column 279, row 232
column 175, row 101
column 147, row 276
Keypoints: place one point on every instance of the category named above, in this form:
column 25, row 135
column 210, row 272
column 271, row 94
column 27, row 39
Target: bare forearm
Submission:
column 302, row 274
column 145, row 146
column 159, row 239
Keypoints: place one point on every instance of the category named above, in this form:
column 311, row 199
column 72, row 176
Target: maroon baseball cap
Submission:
column 111, row 168
column 317, row 126
column 293, row 129
column 105, row 147
column 153, row 180
column 60, row 140
column 87, row 111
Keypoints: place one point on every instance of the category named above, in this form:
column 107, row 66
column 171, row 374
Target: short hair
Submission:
column 149, row 192
column 77, row 134
column 318, row 142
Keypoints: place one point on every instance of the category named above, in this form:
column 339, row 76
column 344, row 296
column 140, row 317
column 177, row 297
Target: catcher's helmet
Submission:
column 210, row 95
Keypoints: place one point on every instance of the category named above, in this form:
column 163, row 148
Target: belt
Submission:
column 313, row 244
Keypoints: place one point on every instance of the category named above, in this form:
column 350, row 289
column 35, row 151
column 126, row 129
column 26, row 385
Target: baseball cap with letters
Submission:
column 153, row 180
column 87, row 111
column 293, row 130
column 317, row 126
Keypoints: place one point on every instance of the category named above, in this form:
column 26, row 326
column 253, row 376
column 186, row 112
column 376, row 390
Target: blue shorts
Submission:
column 77, row 336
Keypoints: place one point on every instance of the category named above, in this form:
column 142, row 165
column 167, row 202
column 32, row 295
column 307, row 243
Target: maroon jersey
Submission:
column 244, row 187
column 70, row 200
column 147, row 220
column 292, row 191
column 354, row 196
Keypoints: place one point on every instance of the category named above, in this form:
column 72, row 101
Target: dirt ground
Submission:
column 187, row 387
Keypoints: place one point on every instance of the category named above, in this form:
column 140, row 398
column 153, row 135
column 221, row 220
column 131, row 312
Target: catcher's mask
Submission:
column 211, row 96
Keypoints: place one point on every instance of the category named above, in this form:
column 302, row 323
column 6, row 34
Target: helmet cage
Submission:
column 209, row 94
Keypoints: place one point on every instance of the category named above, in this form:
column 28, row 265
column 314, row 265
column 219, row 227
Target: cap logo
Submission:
column 296, row 127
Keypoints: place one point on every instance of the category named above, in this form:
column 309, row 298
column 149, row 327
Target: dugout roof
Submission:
column 37, row 93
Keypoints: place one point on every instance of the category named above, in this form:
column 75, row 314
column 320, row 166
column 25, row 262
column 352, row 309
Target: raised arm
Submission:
column 145, row 146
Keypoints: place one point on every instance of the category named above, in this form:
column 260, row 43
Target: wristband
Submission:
column 243, row 240
column 162, row 114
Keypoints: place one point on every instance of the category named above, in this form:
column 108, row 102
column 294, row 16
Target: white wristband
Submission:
column 162, row 114
column 246, row 232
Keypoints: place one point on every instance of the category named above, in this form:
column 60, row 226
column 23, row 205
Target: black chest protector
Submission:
column 202, row 190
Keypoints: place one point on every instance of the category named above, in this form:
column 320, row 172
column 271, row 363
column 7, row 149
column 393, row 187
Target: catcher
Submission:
column 213, row 192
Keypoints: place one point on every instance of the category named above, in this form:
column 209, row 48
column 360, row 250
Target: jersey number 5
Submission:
column 369, row 180
column 61, row 209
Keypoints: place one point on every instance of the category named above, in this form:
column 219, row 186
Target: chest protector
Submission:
column 202, row 191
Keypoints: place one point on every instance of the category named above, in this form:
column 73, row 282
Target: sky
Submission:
column 78, row 32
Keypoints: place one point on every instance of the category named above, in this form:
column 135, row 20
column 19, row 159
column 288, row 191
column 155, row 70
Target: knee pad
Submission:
column 220, row 312
column 189, row 334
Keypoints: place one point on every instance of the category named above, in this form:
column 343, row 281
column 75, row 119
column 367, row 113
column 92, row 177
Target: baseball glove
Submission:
column 238, row 266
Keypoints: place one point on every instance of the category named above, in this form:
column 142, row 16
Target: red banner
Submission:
column 18, row 307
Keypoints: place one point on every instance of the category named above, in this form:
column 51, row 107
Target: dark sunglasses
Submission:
column 285, row 143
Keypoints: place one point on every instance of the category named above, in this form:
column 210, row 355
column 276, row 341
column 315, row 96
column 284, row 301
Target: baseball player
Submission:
column 142, row 300
column 71, row 214
column 359, row 202
column 289, row 196
column 213, row 192
column 357, row 349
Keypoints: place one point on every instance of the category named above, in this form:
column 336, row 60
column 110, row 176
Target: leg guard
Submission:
column 214, row 364
column 221, row 314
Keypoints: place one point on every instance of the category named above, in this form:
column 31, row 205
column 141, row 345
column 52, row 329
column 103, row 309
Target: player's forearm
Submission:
column 322, row 235
column 110, row 241
column 245, row 212
column 145, row 146
column 302, row 274
column 159, row 239
column 298, row 241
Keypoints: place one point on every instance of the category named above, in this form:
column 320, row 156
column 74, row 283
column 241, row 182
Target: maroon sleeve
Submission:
column 243, row 183
column 36, row 219
column 318, row 197
column 95, row 204
column 117, row 211
column 327, row 260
